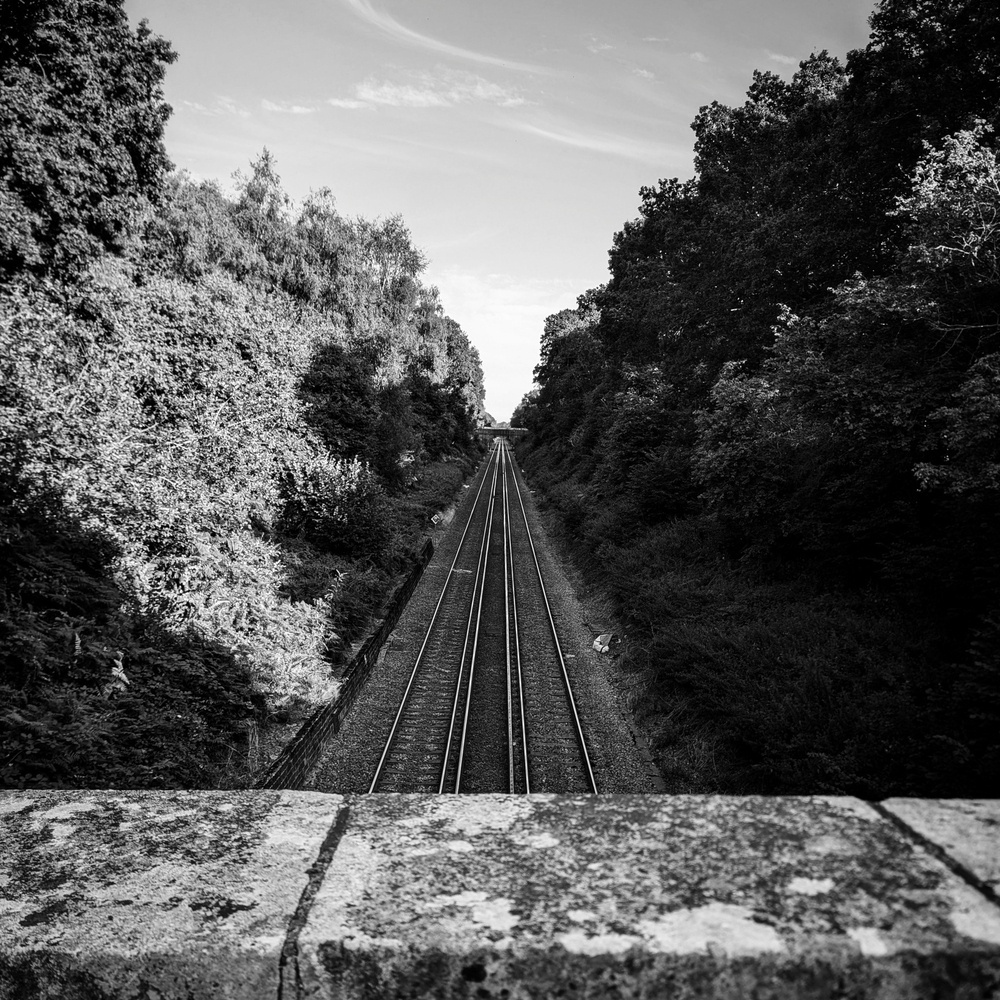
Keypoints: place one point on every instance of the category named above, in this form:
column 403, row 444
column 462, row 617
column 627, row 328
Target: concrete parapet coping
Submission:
column 292, row 894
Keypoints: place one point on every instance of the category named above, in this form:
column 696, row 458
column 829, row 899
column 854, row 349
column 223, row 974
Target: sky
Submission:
column 512, row 136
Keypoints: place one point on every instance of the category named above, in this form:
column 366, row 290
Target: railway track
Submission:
column 488, row 706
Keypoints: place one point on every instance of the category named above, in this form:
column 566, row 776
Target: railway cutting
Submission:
column 490, row 682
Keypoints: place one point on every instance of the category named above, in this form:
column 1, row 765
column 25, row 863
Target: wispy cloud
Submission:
column 699, row 57
column 351, row 103
column 219, row 107
column 286, row 109
column 441, row 89
column 784, row 60
column 656, row 38
column 400, row 95
column 644, row 73
column 390, row 26
column 600, row 142
column 597, row 47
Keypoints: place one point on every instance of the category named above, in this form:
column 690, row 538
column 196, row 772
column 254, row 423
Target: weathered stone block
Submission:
column 152, row 894
column 968, row 830
column 633, row 896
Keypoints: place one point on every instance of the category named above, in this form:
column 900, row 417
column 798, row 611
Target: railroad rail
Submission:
column 488, row 705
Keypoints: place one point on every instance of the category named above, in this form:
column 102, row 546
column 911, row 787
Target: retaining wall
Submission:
column 247, row 894
column 299, row 756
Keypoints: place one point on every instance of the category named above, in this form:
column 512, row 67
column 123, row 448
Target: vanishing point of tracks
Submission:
column 488, row 706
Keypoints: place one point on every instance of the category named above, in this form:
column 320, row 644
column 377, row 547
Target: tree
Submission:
column 930, row 64
column 262, row 206
column 871, row 426
column 81, row 130
column 952, row 214
column 794, row 382
column 465, row 369
column 931, row 68
column 340, row 400
column 386, row 250
column 953, row 220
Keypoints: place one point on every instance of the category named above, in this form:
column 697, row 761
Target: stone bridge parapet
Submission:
column 247, row 894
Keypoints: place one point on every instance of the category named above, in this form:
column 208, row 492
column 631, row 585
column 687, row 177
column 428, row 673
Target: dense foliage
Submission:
column 776, row 430
column 81, row 120
column 222, row 420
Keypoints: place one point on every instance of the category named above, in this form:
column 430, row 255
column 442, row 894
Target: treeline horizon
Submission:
column 773, row 437
column 224, row 423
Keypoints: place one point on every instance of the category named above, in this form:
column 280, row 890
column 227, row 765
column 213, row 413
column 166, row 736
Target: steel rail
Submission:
column 479, row 586
column 508, row 580
column 423, row 646
column 475, row 638
column 555, row 638
column 518, row 670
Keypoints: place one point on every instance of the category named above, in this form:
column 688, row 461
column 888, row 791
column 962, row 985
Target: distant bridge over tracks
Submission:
column 492, row 433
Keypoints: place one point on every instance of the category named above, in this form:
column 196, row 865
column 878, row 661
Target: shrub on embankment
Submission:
column 772, row 437
column 222, row 422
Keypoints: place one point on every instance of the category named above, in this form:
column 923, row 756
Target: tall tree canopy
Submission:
column 223, row 423
column 797, row 353
column 81, row 128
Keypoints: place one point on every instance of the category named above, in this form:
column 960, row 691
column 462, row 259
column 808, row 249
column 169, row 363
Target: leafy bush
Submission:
column 337, row 504
column 94, row 695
